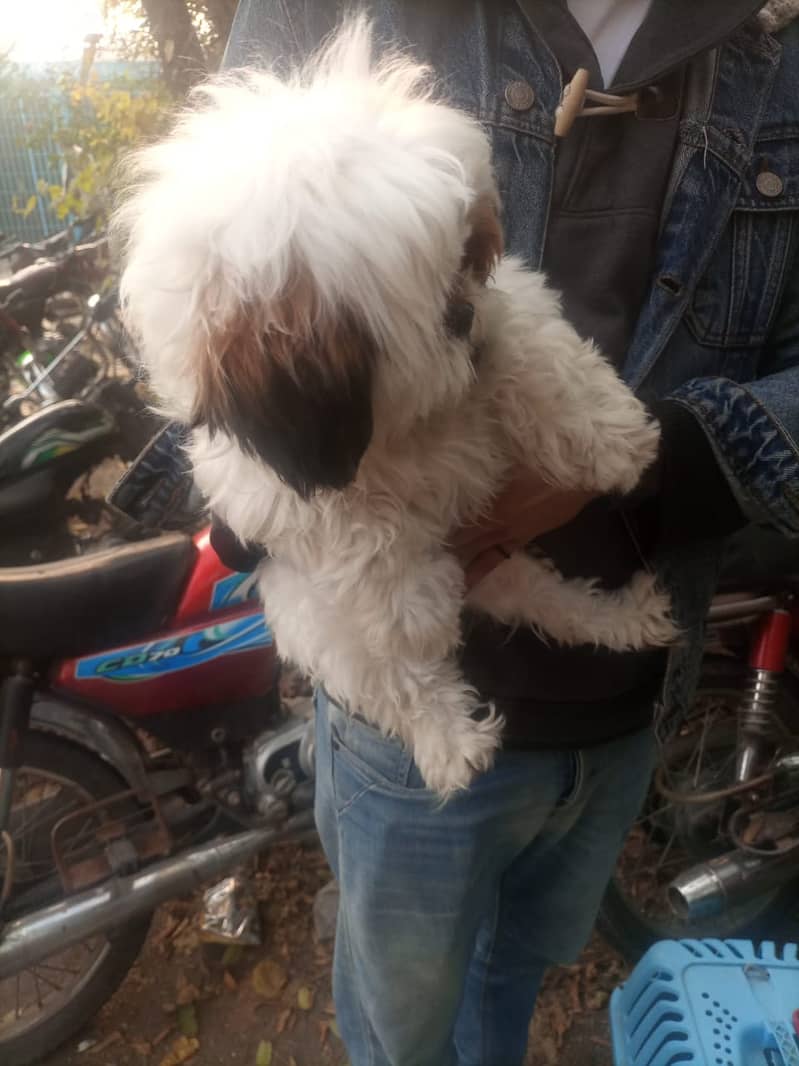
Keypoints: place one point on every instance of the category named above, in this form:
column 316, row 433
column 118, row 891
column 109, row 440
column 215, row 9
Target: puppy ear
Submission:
column 484, row 245
column 298, row 398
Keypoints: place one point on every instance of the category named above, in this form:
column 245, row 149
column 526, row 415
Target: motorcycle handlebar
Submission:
column 28, row 252
column 44, row 278
column 32, row 281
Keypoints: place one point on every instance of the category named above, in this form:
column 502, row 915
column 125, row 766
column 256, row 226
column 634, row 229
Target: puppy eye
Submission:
column 458, row 319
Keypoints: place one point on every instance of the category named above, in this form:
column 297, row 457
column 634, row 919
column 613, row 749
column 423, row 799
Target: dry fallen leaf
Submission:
column 181, row 1051
column 187, row 1020
column 187, row 992
column 269, row 979
column 263, row 1057
column 305, row 998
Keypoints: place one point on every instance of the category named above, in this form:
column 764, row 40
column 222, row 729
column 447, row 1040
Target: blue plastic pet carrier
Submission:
column 709, row 1003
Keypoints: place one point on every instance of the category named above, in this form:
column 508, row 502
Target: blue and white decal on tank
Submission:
column 236, row 588
column 144, row 662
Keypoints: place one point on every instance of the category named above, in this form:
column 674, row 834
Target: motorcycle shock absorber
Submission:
column 756, row 716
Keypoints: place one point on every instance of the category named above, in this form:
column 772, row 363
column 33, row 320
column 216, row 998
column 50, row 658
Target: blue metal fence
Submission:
column 21, row 168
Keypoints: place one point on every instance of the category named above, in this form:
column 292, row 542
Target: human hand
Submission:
column 526, row 508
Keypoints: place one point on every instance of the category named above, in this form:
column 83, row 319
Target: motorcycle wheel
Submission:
column 43, row 1006
column 666, row 840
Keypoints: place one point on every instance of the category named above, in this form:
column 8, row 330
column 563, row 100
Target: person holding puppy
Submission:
column 663, row 211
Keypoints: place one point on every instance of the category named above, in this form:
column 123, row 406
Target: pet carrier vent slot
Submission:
column 691, row 949
column 665, row 1019
column 662, row 997
column 667, row 1039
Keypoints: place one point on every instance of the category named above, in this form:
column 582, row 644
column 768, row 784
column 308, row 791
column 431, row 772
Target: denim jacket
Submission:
column 719, row 329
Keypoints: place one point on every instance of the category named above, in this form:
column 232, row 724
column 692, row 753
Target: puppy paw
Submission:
column 645, row 614
column 622, row 456
column 450, row 754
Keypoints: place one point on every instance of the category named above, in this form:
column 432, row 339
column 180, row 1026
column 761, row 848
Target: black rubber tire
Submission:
column 631, row 932
column 50, row 753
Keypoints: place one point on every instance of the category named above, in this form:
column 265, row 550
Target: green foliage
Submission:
column 90, row 128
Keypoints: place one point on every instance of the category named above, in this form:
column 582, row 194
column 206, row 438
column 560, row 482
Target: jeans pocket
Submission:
column 366, row 761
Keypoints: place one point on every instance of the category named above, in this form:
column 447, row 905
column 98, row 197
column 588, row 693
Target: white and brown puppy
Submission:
column 314, row 274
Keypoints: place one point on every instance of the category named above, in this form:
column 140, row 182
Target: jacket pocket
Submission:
column 735, row 303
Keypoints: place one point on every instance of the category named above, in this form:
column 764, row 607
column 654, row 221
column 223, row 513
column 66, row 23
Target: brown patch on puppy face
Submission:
column 484, row 245
column 296, row 393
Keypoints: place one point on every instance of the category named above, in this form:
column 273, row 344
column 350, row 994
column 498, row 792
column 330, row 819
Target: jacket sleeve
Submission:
column 687, row 486
column 753, row 427
column 752, row 430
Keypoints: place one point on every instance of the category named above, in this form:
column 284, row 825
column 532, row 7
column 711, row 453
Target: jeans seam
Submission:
column 365, row 1028
column 341, row 811
column 486, row 971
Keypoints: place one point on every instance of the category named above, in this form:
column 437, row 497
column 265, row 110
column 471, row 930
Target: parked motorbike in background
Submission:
column 144, row 750
column 16, row 254
column 716, row 849
column 70, row 398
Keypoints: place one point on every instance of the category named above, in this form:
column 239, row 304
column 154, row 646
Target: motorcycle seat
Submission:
column 74, row 606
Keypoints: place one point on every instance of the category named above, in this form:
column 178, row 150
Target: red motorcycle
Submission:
column 144, row 750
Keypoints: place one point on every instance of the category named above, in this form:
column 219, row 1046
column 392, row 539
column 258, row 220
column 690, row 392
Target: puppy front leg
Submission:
column 417, row 690
column 569, row 414
column 433, row 710
column 389, row 655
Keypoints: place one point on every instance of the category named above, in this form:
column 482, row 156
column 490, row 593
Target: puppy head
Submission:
column 303, row 251
column 293, row 391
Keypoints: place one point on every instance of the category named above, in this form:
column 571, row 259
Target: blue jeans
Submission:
column 450, row 914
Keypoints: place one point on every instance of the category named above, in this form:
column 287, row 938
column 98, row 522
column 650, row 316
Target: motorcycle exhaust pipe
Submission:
column 706, row 890
column 33, row 938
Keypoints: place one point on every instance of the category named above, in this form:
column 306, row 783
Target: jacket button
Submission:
column 519, row 95
column 768, row 183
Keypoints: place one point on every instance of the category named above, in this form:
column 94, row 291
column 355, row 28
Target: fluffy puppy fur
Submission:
column 314, row 274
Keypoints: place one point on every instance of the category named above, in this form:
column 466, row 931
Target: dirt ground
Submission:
column 186, row 1001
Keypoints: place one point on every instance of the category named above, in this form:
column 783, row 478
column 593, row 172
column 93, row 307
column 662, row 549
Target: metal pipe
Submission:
column 30, row 940
column 736, row 608
column 706, row 890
